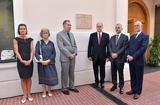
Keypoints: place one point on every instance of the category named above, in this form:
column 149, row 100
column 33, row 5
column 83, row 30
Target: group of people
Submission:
column 45, row 54
column 119, row 49
column 101, row 49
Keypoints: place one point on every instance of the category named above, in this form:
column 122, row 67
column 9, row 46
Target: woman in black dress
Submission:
column 23, row 47
column 45, row 53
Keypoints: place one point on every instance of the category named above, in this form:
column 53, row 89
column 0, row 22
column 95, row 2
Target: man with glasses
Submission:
column 98, row 42
column 135, row 54
column 68, row 52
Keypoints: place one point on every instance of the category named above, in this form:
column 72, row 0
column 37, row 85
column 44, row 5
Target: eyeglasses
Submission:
column 136, row 25
column 69, row 25
column 99, row 26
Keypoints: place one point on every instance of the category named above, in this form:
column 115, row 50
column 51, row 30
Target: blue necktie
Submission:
column 135, row 36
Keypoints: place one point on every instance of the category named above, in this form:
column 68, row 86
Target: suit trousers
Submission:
column 67, row 73
column 136, row 73
column 116, row 66
column 99, row 66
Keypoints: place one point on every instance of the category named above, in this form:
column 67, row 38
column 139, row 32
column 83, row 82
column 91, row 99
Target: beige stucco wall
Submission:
column 51, row 13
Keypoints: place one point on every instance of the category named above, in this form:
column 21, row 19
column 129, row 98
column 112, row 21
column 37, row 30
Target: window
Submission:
column 6, row 31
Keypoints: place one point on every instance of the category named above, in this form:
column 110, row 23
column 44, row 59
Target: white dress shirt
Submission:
column 138, row 33
column 119, row 35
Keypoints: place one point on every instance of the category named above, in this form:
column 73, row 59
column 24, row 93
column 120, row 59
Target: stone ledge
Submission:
column 4, row 66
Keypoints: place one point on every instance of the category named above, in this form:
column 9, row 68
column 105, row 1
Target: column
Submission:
column 122, row 14
column 18, row 13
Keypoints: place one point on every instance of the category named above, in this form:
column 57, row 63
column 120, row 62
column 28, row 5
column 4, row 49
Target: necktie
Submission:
column 135, row 36
column 68, row 35
column 99, row 39
column 116, row 39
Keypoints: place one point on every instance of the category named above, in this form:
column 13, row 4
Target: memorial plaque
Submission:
column 83, row 21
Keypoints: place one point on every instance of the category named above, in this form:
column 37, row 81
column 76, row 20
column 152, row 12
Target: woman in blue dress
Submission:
column 45, row 53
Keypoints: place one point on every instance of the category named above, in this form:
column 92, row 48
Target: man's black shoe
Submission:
column 66, row 92
column 102, row 85
column 96, row 85
column 113, row 88
column 74, row 90
column 121, row 91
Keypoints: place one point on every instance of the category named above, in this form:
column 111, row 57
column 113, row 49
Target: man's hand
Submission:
column 72, row 56
column 114, row 55
column 107, row 60
column 90, row 58
column 130, row 58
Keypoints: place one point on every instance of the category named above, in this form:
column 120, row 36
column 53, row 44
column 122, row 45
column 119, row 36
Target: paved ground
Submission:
column 91, row 96
column 150, row 93
column 86, row 96
column 150, row 69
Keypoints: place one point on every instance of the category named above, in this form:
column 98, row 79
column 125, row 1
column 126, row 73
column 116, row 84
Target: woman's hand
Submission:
column 45, row 62
column 24, row 62
column 28, row 62
column 41, row 61
column 48, row 61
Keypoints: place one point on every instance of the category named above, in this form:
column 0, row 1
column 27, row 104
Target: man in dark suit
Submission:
column 98, row 42
column 135, row 54
column 117, row 47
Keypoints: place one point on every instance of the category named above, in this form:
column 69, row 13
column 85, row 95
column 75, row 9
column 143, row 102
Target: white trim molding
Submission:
column 18, row 13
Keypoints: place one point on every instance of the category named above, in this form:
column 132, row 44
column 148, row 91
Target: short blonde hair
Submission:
column 44, row 30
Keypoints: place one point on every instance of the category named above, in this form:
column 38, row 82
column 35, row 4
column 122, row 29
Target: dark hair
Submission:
column 65, row 21
column 20, row 26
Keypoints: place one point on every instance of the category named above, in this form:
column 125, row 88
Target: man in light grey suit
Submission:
column 68, row 52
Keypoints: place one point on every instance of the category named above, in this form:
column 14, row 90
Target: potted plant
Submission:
column 154, row 53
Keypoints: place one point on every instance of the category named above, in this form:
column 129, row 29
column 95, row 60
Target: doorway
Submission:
column 138, row 11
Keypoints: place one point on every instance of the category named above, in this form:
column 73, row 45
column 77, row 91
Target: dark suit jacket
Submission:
column 96, row 50
column 120, row 48
column 137, row 47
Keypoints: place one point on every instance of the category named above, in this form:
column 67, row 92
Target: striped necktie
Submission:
column 117, row 39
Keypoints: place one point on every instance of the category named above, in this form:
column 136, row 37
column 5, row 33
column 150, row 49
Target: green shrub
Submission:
column 154, row 54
